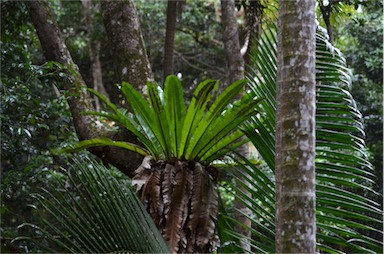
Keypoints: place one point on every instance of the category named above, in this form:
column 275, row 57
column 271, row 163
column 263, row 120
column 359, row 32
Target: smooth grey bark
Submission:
column 232, row 48
column 295, row 128
column 87, row 126
column 122, row 26
column 235, row 65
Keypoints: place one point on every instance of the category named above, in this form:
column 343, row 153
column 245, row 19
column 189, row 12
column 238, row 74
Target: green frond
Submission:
column 161, row 120
column 105, row 142
column 196, row 109
column 167, row 130
column 95, row 213
column 145, row 116
column 345, row 208
column 175, row 110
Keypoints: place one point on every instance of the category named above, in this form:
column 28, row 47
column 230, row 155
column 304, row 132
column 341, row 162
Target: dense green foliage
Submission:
column 113, row 220
column 35, row 117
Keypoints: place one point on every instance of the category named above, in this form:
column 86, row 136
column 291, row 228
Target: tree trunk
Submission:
column 254, row 22
column 86, row 126
column 122, row 26
column 170, row 37
column 94, row 53
column 235, row 64
column 295, row 128
column 55, row 50
column 234, row 58
column 182, row 198
column 326, row 13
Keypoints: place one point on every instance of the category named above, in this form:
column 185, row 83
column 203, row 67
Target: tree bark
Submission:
column 295, row 128
column 122, row 26
column 235, row 65
column 170, row 37
column 79, row 101
column 326, row 13
column 254, row 22
column 94, row 53
column 55, row 50
column 232, row 48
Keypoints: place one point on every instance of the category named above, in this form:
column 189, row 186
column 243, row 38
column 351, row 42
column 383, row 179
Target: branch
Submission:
column 87, row 126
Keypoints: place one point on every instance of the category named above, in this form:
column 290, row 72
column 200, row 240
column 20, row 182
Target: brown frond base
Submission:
column 182, row 198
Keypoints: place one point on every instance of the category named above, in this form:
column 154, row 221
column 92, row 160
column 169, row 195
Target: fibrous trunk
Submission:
column 182, row 198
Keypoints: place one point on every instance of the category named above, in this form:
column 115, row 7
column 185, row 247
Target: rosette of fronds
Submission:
column 166, row 129
column 176, row 180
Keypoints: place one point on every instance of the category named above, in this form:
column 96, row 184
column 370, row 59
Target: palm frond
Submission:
column 97, row 214
column 345, row 206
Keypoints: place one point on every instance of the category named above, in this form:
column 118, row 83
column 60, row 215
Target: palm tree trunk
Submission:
column 182, row 198
column 295, row 129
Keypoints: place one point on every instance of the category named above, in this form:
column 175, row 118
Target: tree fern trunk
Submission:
column 182, row 198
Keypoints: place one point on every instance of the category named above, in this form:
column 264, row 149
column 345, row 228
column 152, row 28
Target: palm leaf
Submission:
column 97, row 214
column 345, row 209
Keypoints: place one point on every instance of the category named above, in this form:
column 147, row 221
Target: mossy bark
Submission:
column 130, row 57
column 79, row 99
column 295, row 129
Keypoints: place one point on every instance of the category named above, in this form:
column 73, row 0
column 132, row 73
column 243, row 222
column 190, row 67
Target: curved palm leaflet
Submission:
column 348, row 214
